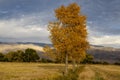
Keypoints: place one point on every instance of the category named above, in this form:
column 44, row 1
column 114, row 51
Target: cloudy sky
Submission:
column 26, row 20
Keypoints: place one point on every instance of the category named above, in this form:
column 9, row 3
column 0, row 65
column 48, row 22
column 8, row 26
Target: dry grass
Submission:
column 38, row 71
column 28, row 71
column 86, row 74
column 107, row 72
column 100, row 72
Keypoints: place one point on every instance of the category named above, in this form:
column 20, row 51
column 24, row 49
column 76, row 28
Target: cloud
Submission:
column 97, row 37
column 105, row 17
column 106, row 40
column 113, row 41
column 4, row 12
column 25, row 28
column 26, row 20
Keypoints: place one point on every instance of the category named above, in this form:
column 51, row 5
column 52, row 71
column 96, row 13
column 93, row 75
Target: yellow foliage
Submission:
column 69, row 33
column 49, row 52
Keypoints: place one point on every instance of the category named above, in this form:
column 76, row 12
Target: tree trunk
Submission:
column 74, row 65
column 66, row 63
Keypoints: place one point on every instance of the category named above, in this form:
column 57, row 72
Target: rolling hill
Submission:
column 100, row 53
column 105, row 54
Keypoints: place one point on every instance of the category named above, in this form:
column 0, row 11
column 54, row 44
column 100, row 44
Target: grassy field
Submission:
column 37, row 71
column 100, row 72
column 28, row 71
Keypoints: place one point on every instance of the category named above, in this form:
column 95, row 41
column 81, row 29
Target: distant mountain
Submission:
column 7, row 47
column 107, row 54
column 100, row 53
column 35, row 43
column 4, row 48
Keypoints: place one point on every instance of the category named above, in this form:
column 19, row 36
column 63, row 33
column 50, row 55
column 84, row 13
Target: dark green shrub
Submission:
column 105, row 63
column 116, row 63
column 88, row 59
column 44, row 60
column 29, row 55
column 1, row 57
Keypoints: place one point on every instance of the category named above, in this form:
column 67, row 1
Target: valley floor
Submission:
column 38, row 71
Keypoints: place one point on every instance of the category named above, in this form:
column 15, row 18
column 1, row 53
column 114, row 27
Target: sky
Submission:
column 27, row 20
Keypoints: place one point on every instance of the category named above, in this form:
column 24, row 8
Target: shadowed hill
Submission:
column 107, row 54
column 100, row 53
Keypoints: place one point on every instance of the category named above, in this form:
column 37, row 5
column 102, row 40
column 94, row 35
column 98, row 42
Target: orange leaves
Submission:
column 68, row 33
column 69, row 15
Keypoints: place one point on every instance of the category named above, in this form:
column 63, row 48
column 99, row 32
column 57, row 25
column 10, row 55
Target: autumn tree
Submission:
column 49, row 52
column 68, row 33
column 53, row 55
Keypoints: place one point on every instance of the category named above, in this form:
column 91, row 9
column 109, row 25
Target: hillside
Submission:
column 4, row 48
column 100, row 53
column 107, row 54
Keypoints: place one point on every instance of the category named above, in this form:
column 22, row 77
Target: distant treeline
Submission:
column 29, row 55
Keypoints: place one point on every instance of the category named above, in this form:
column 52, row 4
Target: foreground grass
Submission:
column 72, row 75
column 107, row 72
column 29, row 71
column 100, row 72
column 38, row 71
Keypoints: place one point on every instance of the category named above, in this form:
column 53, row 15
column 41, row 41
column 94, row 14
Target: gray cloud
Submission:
column 24, row 29
column 26, row 20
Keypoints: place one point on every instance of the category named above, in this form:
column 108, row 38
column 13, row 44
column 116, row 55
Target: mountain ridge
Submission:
column 100, row 53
